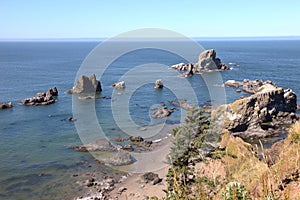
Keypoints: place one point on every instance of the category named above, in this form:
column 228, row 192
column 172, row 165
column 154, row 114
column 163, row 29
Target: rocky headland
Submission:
column 265, row 113
column 42, row 98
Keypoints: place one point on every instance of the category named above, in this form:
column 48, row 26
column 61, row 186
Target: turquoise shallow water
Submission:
column 36, row 140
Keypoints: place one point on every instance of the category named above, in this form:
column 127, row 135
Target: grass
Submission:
column 233, row 171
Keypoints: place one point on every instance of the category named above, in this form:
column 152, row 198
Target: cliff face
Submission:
column 261, row 114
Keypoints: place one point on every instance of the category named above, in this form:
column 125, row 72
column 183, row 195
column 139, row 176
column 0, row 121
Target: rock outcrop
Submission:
column 120, row 158
column 207, row 61
column 262, row 114
column 42, row 98
column 86, row 85
column 150, row 177
column 249, row 86
column 119, row 85
column 5, row 105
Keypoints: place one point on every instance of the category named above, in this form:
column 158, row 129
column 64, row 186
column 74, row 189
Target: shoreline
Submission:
column 131, row 185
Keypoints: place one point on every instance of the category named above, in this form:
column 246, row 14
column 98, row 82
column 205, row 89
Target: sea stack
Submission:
column 86, row 85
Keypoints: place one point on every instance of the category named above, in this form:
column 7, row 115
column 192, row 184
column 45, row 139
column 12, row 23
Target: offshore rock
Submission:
column 119, row 85
column 5, row 105
column 86, row 85
column 262, row 114
column 42, row 98
column 207, row 61
column 159, row 84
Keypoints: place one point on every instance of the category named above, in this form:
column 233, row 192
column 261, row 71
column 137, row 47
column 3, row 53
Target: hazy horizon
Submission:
column 96, row 39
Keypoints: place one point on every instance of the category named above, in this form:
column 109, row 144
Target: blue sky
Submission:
column 107, row 18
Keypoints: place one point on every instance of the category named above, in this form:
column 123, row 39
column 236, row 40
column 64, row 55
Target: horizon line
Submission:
column 195, row 38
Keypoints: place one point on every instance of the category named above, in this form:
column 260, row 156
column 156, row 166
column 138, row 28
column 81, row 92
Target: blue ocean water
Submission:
column 36, row 140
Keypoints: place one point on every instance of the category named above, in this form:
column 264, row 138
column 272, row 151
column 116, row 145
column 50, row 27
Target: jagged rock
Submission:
column 119, row 85
column 5, row 105
column 180, row 67
column 97, row 145
column 159, row 84
column 42, row 98
column 120, row 158
column 262, row 113
column 189, row 70
column 86, row 85
column 162, row 112
column 208, row 61
column 151, row 177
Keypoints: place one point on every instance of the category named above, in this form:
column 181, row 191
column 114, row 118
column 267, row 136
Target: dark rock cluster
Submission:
column 42, row 98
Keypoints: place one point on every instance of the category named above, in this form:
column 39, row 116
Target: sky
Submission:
column 37, row 19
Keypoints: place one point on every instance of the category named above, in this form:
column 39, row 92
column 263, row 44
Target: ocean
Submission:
column 36, row 159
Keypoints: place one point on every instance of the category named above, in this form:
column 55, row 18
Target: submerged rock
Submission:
column 5, row 105
column 97, row 145
column 42, row 98
column 162, row 112
column 182, row 103
column 86, row 85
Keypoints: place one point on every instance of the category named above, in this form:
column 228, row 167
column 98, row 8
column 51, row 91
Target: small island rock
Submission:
column 42, row 98
column 86, row 85
column 207, row 61
column 5, row 105
column 119, row 85
column 159, row 84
